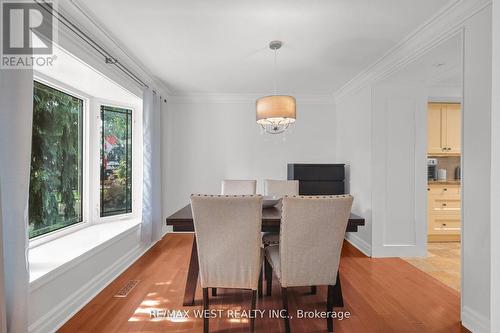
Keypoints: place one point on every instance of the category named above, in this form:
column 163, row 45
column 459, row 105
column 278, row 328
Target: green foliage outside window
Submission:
column 55, row 198
column 116, row 161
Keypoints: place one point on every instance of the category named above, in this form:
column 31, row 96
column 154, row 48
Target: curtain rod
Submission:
column 108, row 58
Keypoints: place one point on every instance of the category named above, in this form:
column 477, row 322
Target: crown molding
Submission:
column 233, row 98
column 80, row 15
column 444, row 24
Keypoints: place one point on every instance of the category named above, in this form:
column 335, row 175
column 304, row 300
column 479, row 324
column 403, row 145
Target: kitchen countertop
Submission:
column 444, row 182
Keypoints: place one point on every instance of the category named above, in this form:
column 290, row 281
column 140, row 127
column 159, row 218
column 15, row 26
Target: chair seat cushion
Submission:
column 272, row 254
column 271, row 238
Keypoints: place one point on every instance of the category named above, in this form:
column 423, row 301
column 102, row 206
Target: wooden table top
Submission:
column 182, row 220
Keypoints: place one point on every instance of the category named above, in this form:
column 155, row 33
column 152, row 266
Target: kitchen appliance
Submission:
column 432, row 173
column 442, row 174
column 458, row 174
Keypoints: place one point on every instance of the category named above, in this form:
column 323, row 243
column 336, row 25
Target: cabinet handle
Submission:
column 443, row 224
column 445, row 189
column 444, row 204
column 428, row 189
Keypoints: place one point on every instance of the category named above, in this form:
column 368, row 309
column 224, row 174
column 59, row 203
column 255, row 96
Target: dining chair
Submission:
column 311, row 237
column 235, row 261
column 238, row 187
column 278, row 188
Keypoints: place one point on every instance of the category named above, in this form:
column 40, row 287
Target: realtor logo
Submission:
column 27, row 34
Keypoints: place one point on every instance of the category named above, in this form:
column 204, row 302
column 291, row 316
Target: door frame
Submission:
column 461, row 33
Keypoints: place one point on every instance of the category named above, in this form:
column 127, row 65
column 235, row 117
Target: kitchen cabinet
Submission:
column 444, row 126
column 444, row 212
column 434, row 128
column 453, row 124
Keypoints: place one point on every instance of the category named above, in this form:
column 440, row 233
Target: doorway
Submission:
column 440, row 72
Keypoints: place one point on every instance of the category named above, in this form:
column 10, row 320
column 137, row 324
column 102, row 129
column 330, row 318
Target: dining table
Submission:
column 182, row 221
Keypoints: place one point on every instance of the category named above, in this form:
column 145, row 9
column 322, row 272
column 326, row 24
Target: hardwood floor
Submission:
column 442, row 262
column 382, row 295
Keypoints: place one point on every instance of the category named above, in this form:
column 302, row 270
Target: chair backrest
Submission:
column 281, row 188
column 238, row 187
column 228, row 235
column 311, row 237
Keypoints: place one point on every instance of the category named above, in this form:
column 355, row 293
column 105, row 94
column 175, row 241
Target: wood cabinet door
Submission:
column 445, row 224
column 435, row 124
column 444, row 205
column 453, row 128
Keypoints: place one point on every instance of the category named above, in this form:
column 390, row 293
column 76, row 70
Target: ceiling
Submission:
column 440, row 66
column 221, row 46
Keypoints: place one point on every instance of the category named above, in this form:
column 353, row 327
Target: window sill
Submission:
column 57, row 256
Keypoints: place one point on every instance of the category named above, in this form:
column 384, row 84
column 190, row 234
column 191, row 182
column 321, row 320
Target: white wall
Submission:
column 399, row 170
column 476, row 172
column 355, row 110
column 212, row 140
column 54, row 300
column 445, row 94
column 353, row 132
column 495, row 172
column 371, row 170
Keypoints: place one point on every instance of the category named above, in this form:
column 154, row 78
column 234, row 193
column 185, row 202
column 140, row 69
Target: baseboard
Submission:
column 359, row 243
column 60, row 314
column 475, row 322
column 398, row 251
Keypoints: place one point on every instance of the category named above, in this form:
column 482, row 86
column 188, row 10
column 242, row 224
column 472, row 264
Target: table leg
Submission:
column 192, row 277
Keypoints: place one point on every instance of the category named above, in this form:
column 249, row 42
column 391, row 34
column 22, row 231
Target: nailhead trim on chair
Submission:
column 266, row 242
column 269, row 242
column 259, row 195
column 319, row 196
column 315, row 197
column 227, row 195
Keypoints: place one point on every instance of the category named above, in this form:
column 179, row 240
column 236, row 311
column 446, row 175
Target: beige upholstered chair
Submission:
column 311, row 237
column 235, row 261
column 238, row 187
column 278, row 188
column 281, row 187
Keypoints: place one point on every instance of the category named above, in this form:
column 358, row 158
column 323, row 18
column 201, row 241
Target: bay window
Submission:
column 81, row 160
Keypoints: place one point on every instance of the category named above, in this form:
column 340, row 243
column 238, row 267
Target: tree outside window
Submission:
column 55, row 197
column 116, row 161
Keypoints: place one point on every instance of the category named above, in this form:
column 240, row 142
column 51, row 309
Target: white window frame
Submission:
column 136, row 163
column 91, row 161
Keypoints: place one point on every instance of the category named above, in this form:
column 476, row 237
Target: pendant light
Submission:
column 275, row 113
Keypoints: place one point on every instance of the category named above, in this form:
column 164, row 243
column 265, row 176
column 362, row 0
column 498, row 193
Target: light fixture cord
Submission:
column 275, row 71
